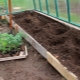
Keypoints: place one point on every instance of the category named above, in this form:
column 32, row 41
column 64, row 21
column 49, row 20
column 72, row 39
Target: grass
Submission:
column 23, row 4
column 20, row 3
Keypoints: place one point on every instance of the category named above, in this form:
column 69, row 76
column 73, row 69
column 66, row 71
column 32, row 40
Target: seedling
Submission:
column 9, row 42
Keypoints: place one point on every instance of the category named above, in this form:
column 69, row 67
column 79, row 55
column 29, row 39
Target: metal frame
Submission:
column 7, row 11
column 40, row 9
column 57, row 10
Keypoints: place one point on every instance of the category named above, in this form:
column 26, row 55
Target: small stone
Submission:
column 57, row 56
column 35, row 55
column 63, row 60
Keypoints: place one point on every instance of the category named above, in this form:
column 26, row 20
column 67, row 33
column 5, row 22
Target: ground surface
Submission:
column 34, row 67
column 4, row 27
column 63, row 42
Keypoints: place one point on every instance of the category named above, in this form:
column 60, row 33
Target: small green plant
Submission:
column 3, row 21
column 9, row 42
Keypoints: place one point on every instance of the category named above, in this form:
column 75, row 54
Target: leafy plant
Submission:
column 3, row 21
column 9, row 42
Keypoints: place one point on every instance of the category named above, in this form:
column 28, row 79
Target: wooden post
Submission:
column 10, row 12
column 0, row 17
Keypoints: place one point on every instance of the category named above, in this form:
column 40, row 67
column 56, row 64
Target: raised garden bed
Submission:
column 57, row 38
column 11, row 46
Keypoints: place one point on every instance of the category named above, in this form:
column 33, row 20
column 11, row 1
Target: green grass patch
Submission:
column 24, row 4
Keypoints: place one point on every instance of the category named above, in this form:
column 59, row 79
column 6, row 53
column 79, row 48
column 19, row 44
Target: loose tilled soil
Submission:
column 34, row 67
column 62, row 41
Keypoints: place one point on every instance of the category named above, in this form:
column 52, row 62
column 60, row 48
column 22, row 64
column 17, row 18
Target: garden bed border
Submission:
column 50, row 58
column 60, row 21
column 22, row 55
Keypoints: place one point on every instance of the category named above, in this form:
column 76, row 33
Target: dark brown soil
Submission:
column 34, row 67
column 63, row 42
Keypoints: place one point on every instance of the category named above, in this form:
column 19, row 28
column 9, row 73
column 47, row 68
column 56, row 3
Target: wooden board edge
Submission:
column 26, row 51
column 57, row 65
column 65, row 23
column 11, row 58
column 16, row 57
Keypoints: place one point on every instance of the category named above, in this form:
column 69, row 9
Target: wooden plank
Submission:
column 11, row 58
column 50, row 58
column 16, row 57
column 26, row 52
column 58, row 66
column 65, row 23
column 21, row 53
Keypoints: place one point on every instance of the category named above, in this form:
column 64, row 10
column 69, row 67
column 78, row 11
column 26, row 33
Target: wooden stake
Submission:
column 10, row 13
column 16, row 29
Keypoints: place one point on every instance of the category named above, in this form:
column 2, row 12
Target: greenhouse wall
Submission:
column 66, row 10
column 17, row 6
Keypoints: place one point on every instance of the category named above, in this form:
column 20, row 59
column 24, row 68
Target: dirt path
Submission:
column 4, row 27
column 34, row 67
column 63, row 42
